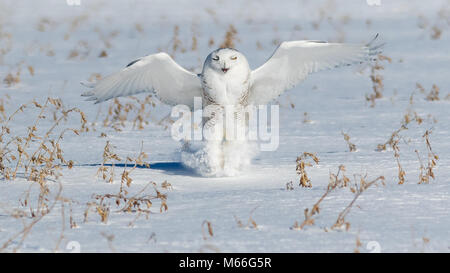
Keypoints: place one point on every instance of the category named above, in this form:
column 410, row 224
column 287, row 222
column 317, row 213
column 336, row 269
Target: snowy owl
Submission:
column 227, row 80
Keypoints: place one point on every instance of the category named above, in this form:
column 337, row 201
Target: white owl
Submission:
column 227, row 79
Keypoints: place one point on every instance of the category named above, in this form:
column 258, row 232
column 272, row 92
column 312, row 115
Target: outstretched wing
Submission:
column 293, row 61
column 157, row 73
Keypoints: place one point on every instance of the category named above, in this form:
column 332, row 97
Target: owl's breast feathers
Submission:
column 225, row 90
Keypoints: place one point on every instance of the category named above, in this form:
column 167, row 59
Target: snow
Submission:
column 399, row 218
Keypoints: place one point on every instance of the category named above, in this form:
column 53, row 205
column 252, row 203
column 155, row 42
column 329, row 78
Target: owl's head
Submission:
column 226, row 60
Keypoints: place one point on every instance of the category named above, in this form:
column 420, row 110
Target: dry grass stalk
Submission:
column 420, row 88
column 209, row 229
column 396, row 149
column 351, row 146
column 80, row 51
column 336, row 181
column 166, row 185
column 358, row 244
column 138, row 161
column 434, row 94
column 394, row 141
column 251, row 223
column 211, row 42
column 140, row 203
column 301, row 168
column 22, row 234
column 107, row 173
column 436, row 33
column 306, row 118
column 426, row 173
column 110, row 239
column 377, row 79
column 175, row 44
column 3, row 116
column 230, row 38
column 357, row 189
column 45, row 161
column 194, row 43
column 12, row 79
column 118, row 113
column 412, row 116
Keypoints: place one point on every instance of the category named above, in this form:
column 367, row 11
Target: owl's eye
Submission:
column 233, row 58
column 216, row 58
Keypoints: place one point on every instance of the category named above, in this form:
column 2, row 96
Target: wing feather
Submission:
column 292, row 61
column 157, row 73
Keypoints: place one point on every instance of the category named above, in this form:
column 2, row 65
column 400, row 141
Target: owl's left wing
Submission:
column 293, row 61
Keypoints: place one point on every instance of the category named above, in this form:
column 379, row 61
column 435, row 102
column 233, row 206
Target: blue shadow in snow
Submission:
column 172, row 168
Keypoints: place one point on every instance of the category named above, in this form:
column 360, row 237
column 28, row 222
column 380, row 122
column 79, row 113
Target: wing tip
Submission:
column 87, row 94
column 88, row 84
column 375, row 49
column 133, row 62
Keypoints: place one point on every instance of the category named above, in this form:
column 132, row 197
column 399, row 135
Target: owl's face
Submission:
column 226, row 61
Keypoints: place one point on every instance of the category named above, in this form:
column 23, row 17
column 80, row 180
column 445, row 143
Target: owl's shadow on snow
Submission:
column 171, row 168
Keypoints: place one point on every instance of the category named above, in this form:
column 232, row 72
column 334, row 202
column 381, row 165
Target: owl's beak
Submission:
column 225, row 70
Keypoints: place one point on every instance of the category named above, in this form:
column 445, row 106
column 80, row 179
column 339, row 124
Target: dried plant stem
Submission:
column 358, row 191
column 301, row 168
column 27, row 229
column 334, row 183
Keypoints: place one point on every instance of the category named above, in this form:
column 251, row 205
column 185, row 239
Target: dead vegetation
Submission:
column 432, row 95
column 302, row 163
column 230, row 38
column 140, row 203
column 358, row 244
column 19, row 155
column 394, row 141
column 12, row 78
column 357, row 189
column 251, row 223
column 207, row 234
column 427, row 172
column 18, row 238
column 351, row 146
column 176, row 42
column 6, row 42
column 38, row 157
column 80, row 52
column 306, row 118
column 209, row 228
column 337, row 181
column 434, row 28
column 377, row 79
column 137, row 111
column 104, row 171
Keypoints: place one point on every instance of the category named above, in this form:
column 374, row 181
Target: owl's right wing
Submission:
column 157, row 73
column 293, row 61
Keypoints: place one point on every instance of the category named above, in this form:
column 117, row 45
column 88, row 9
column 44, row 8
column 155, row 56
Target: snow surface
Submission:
column 400, row 218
